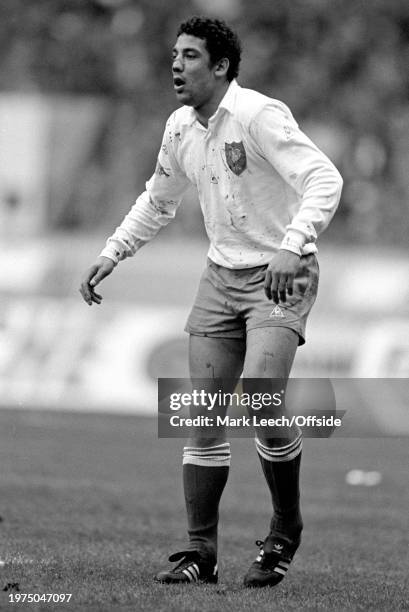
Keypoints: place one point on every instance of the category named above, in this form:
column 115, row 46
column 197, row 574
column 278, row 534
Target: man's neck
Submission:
column 203, row 113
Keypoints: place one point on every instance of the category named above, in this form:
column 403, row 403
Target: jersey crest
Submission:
column 236, row 156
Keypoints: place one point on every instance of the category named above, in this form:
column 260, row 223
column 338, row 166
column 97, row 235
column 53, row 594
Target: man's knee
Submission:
column 202, row 439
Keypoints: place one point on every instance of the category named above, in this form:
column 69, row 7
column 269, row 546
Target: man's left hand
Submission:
column 280, row 275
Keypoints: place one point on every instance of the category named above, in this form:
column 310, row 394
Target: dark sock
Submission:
column 203, row 488
column 282, row 477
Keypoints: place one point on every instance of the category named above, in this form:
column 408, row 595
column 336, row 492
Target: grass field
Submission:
column 92, row 505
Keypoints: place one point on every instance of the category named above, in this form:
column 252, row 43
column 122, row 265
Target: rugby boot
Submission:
column 273, row 561
column 192, row 567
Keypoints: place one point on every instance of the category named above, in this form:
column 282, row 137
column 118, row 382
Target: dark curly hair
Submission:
column 221, row 41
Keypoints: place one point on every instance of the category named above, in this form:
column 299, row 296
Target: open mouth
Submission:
column 178, row 83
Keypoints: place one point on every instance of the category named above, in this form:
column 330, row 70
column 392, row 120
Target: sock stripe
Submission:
column 278, row 454
column 279, row 449
column 206, row 452
column 202, row 448
column 210, row 457
column 273, row 459
column 214, row 456
column 205, row 462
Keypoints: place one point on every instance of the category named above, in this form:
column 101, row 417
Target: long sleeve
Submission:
column 304, row 167
column 155, row 207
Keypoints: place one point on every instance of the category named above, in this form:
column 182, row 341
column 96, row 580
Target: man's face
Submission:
column 193, row 76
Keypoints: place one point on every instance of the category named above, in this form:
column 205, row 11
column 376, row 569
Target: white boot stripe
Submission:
column 278, row 570
column 195, row 567
column 188, row 574
column 195, row 574
column 192, row 573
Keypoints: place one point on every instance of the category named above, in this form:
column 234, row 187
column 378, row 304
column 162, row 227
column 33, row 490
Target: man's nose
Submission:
column 177, row 65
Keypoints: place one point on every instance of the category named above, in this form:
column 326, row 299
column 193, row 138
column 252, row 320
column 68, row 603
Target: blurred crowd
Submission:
column 341, row 66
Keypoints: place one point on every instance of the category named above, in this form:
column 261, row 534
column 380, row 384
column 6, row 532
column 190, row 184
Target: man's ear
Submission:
column 222, row 67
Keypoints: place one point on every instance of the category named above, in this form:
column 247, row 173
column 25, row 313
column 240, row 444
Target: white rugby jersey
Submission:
column 262, row 184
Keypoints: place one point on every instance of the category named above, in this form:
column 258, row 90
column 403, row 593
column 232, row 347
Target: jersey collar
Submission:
column 228, row 103
column 229, row 100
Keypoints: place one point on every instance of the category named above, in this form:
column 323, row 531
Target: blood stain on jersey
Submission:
column 161, row 171
column 287, row 132
column 236, row 157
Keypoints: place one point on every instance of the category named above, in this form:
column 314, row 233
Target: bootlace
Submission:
column 188, row 559
column 267, row 559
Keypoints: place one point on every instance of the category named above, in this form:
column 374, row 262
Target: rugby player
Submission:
column 266, row 193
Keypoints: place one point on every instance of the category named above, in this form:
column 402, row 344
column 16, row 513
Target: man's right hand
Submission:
column 101, row 268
